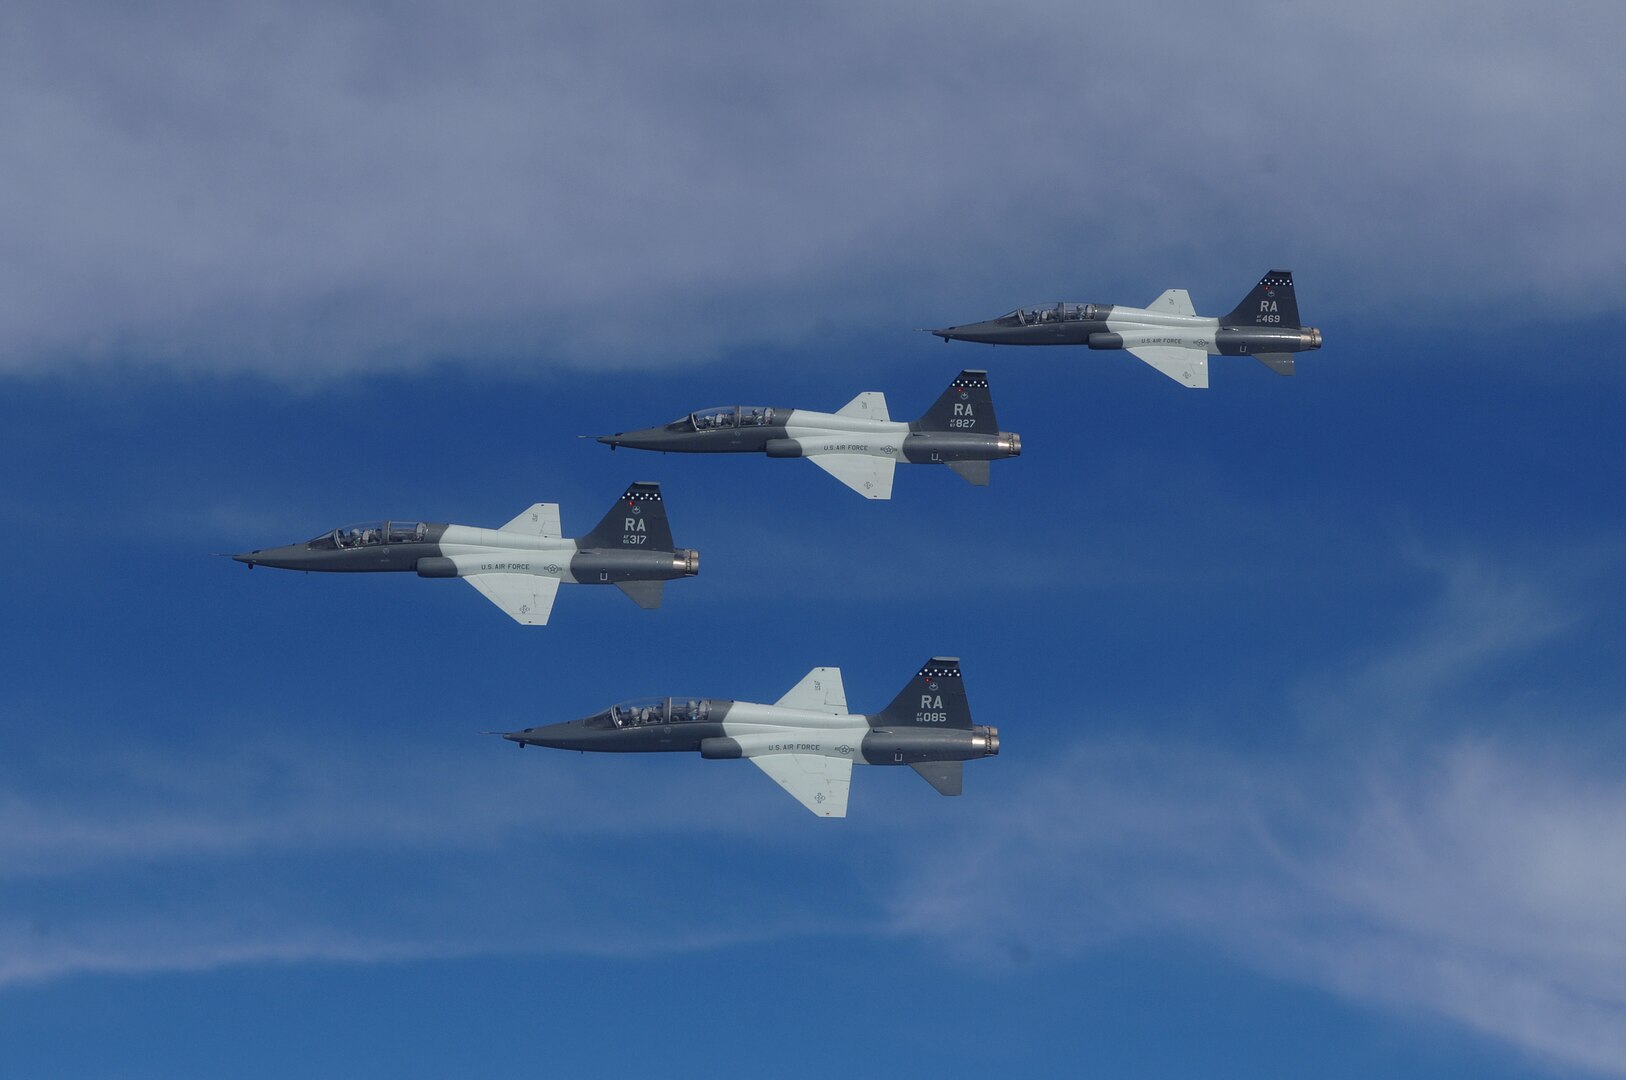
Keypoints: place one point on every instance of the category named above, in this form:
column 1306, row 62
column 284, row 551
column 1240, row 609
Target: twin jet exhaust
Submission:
column 518, row 567
column 860, row 444
column 1169, row 335
column 806, row 741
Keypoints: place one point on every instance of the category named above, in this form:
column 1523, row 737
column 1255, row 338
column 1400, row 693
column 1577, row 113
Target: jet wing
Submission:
column 871, row 477
column 1188, row 367
column 818, row 783
column 528, row 598
column 542, row 519
column 1173, row 302
column 819, row 691
column 871, row 405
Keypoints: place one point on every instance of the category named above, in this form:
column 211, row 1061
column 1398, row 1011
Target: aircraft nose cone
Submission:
column 610, row 440
column 246, row 557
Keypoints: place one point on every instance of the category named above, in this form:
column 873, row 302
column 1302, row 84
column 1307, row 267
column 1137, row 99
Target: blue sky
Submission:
column 1309, row 688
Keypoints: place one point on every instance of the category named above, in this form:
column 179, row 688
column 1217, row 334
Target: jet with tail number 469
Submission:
column 859, row 445
column 807, row 740
column 518, row 567
column 1169, row 334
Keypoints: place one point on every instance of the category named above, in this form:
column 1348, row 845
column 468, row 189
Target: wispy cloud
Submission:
column 1479, row 878
column 1474, row 872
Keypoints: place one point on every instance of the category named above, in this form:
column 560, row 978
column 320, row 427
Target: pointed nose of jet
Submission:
column 654, row 438
column 571, row 735
column 291, row 557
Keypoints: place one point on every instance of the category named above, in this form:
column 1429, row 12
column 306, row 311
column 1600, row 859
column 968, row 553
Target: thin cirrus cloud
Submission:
column 1403, row 857
column 1452, row 860
column 310, row 191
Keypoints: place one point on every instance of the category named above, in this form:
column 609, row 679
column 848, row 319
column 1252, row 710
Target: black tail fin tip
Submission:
column 966, row 405
column 637, row 520
column 934, row 698
column 1271, row 303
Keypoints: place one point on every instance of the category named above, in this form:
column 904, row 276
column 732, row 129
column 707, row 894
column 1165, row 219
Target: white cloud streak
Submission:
column 307, row 191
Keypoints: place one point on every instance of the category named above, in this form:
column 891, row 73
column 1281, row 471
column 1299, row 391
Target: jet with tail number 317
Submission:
column 518, row 567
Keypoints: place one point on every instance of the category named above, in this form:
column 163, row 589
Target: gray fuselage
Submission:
column 790, row 433
column 720, row 728
column 440, row 550
column 1112, row 326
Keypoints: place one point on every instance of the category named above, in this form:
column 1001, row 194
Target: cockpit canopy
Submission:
column 370, row 533
column 1050, row 313
column 643, row 712
column 724, row 416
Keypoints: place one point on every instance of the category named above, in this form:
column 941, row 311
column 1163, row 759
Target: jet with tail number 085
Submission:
column 859, row 445
column 518, row 567
column 1169, row 334
column 807, row 740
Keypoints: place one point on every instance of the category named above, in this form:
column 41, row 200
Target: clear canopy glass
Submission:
column 642, row 712
column 369, row 533
column 730, row 416
column 1047, row 313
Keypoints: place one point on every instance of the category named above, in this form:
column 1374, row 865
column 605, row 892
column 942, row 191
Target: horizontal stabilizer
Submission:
column 817, row 782
column 871, row 477
column 1279, row 362
column 542, row 519
column 871, row 405
column 945, row 776
column 528, row 598
column 975, row 472
column 646, row 594
column 1173, row 302
column 820, row 690
column 1188, row 367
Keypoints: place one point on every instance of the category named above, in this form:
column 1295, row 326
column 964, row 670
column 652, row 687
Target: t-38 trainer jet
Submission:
column 807, row 740
column 1169, row 334
column 858, row 445
column 518, row 567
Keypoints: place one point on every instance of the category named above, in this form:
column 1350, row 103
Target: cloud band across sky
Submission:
column 309, row 190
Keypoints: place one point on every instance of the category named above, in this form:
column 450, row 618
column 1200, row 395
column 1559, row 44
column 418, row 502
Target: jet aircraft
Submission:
column 518, row 567
column 807, row 740
column 1169, row 334
column 858, row 445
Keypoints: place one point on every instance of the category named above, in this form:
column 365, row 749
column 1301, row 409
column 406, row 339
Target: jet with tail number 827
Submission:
column 859, row 445
column 1169, row 334
column 807, row 740
column 518, row 567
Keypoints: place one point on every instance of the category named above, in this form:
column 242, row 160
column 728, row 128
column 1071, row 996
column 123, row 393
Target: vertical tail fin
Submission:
column 1271, row 303
column 965, row 406
column 638, row 519
column 933, row 698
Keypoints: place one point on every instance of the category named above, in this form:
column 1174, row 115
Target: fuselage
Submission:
column 805, row 433
column 440, row 550
column 720, row 728
column 1114, row 326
